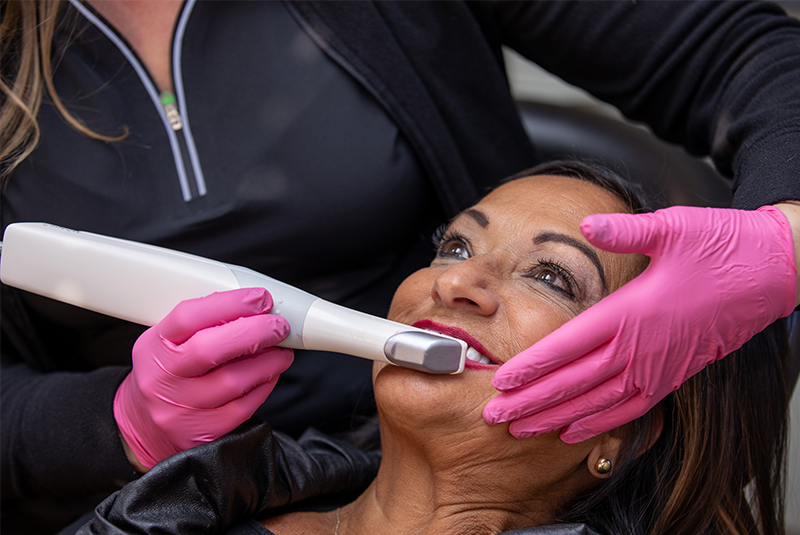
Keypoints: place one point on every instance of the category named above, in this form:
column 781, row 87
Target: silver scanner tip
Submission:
column 426, row 352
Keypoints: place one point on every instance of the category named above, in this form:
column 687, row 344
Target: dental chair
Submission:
column 665, row 170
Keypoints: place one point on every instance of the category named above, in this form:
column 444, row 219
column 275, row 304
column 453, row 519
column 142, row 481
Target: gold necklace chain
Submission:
column 338, row 521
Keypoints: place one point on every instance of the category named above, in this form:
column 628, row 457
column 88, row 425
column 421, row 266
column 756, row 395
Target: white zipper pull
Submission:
column 174, row 118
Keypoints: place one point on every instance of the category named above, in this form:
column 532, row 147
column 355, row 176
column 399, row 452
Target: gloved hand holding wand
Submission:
column 199, row 373
column 716, row 277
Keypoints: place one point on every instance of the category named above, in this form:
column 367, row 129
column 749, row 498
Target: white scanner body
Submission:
column 143, row 283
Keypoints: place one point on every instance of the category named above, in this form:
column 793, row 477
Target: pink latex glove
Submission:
column 200, row 372
column 716, row 277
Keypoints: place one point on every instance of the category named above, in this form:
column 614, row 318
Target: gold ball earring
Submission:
column 603, row 466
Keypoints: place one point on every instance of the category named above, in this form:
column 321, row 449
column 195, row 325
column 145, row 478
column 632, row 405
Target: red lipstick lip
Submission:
column 461, row 334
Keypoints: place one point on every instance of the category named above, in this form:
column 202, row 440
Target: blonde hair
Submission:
column 27, row 30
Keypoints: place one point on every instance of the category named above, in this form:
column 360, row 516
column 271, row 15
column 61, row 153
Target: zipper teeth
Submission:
column 149, row 87
column 181, row 96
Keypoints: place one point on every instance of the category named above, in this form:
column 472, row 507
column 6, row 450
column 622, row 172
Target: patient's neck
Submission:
column 443, row 474
column 442, row 485
column 445, row 485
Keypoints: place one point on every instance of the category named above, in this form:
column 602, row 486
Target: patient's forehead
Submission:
column 561, row 192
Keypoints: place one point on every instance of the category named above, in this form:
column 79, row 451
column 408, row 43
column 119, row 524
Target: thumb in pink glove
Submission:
column 200, row 372
column 716, row 277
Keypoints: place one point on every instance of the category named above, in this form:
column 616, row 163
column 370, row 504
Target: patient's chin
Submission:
column 423, row 399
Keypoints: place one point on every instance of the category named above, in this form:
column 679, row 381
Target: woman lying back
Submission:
column 707, row 460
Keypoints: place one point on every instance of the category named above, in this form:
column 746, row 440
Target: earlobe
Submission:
column 603, row 455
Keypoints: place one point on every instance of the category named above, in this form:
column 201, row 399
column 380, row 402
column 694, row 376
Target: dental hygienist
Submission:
column 316, row 142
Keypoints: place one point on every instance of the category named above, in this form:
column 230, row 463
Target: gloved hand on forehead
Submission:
column 200, row 372
column 716, row 277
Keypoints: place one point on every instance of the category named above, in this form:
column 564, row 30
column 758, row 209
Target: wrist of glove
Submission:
column 210, row 488
column 200, row 372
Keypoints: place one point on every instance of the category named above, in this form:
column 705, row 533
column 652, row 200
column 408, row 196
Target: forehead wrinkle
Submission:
column 547, row 236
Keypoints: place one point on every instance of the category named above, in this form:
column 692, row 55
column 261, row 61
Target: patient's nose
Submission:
column 466, row 286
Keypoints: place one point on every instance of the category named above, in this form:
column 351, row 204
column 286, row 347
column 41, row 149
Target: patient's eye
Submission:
column 451, row 244
column 555, row 276
column 453, row 248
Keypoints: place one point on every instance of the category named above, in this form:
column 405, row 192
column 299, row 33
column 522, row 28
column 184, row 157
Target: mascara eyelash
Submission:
column 445, row 235
column 438, row 235
column 562, row 272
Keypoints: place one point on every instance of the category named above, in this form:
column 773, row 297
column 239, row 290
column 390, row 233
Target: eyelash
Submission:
column 443, row 236
column 558, row 269
column 438, row 235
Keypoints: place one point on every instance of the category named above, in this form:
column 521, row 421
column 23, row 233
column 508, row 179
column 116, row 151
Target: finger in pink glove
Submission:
column 200, row 372
column 716, row 277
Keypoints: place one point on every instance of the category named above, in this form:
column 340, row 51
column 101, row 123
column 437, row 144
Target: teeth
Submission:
column 473, row 355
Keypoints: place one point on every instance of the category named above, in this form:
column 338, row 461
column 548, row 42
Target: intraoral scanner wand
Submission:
column 142, row 283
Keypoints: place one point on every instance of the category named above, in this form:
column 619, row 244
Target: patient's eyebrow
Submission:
column 479, row 217
column 562, row 238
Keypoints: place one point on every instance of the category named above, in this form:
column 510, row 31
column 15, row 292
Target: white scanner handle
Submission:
column 142, row 283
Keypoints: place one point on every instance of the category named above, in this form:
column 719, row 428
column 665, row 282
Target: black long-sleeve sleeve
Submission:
column 61, row 448
column 720, row 78
column 36, row 409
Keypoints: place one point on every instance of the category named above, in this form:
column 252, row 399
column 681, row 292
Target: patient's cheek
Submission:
column 409, row 298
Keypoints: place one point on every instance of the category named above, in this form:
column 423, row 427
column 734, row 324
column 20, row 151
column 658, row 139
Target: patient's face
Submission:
column 514, row 267
column 508, row 271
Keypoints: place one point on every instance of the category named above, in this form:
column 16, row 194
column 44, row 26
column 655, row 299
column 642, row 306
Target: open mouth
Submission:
column 475, row 352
